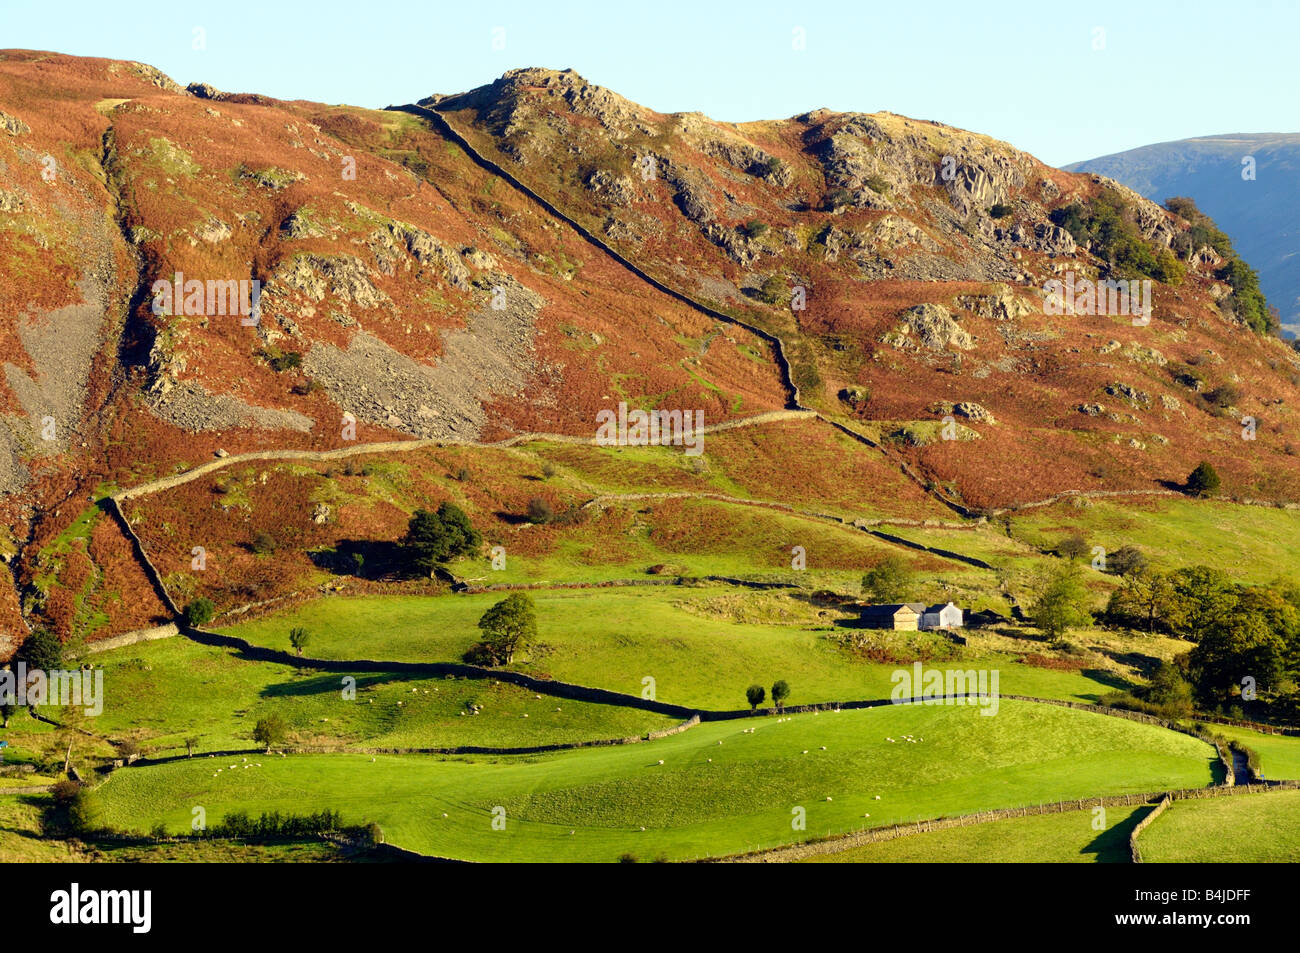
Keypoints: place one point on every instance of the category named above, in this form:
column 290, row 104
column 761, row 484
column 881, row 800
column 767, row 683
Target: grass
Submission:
column 1065, row 838
column 160, row 693
column 592, row 804
column 22, row 841
column 1250, row 543
column 1246, row 828
column 616, row 638
column 1279, row 755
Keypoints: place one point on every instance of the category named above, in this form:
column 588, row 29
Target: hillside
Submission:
column 515, row 259
column 1259, row 214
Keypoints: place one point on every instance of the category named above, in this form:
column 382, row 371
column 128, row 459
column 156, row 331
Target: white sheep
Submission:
column 661, row 761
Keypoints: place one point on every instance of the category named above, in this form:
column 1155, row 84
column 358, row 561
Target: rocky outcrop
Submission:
column 934, row 327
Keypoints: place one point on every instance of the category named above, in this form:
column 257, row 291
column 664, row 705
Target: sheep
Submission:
column 823, row 747
column 525, row 714
column 877, row 797
column 828, row 798
column 661, row 761
column 805, row 750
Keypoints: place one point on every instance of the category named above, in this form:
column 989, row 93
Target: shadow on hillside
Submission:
column 1109, row 679
column 366, row 559
column 331, row 684
column 1111, row 846
column 1146, row 664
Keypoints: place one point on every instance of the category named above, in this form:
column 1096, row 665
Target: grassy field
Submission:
column 1253, row 544
column 1247, row 828
column 1067, row 838
column 719, row 789
column 683, row 638
column 21, row 841
column 1279, row 755
column 160, row 693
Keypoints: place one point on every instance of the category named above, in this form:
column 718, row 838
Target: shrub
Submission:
column 1072, row 546
column 1204, row 480
column 263, row 543
column 540, row 510
column 773, row 290
column 1000, row 210
column 1125, row 560
column 42, row 649
column 754, row 229
column 755, row 694
column 270, row 730
column 200, row 611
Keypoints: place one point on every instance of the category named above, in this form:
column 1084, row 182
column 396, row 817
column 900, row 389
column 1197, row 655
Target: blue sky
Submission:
column 1063, row 81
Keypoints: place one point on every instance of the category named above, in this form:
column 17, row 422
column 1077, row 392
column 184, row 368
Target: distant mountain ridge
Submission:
column 1260, row 215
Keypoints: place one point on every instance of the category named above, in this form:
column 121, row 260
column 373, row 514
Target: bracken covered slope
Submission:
column 410, row 284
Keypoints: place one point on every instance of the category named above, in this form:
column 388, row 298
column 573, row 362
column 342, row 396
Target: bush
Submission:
column 42, row 649
column 263, row 543
column 1071, row 547
column 1000, row 211
column 200, row 611
column 540, row 510
column 753, row 229
column 270, row 730
column 773, row 290
column 1204, row 480
column 1125, row 560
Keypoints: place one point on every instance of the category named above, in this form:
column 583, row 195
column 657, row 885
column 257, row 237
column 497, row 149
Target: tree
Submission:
column 508, row 627
column 190, row 745
column 1201, row 595
column 1126, row 560
column 270, row 730
column 755, row 694
column 7, row 710
column 540, row 510
column 42, row 649
column 887, row 581
column 434, row 538
column 1170, row 690
column 1072, row 546
column 1143, row 600
column 199, row 612
column 1246, row 644
column 1203, row 481
column 299, row 638
column 1062, row 602
column 780, row 692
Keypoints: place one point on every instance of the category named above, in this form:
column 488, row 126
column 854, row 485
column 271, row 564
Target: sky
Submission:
column 1065, row 82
